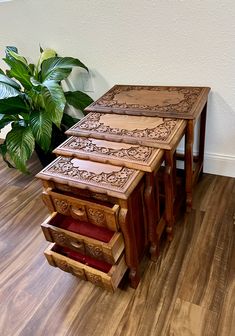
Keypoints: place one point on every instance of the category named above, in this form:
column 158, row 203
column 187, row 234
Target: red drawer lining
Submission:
column 82, row 228
column 86, row 260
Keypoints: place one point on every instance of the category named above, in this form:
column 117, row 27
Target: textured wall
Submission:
column 187, row 42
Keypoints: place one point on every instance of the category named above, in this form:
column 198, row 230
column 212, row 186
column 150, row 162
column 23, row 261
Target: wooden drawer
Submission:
column 99, row 273
column 97, row 242
column 88, row 211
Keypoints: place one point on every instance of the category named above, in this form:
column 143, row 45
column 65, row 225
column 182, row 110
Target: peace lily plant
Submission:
column 33, row 101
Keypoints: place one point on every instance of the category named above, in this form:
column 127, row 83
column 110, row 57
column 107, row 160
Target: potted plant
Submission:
column 34, row 102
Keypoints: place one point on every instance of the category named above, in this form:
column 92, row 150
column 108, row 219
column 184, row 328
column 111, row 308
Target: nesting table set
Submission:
column 112, row 190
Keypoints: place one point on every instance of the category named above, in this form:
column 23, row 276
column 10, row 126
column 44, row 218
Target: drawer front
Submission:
column 83, row 210
column 107, row 281
column 109, row 252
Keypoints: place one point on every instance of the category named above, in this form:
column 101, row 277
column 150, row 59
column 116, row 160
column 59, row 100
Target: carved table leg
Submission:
column 169, row 193
column 189, row 138
column 152, row 210
column 202, row 140
column 131, row 254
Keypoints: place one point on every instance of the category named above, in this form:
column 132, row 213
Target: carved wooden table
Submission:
column 138, row 157
column 97, row 214
column 186, row 102
column 163, row 133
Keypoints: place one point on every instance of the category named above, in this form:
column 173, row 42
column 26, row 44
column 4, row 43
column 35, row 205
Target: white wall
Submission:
column 189, row 42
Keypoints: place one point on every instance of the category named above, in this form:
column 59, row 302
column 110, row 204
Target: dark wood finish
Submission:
column 162, row 101
column 190, row 290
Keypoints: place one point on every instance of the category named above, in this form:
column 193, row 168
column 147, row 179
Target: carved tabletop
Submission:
column 122, row 154
column 184, row 102
column 98, row 177
column 148, row 131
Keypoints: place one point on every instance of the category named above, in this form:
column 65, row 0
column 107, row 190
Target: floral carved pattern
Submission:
column 61, row 206
column 59, row 238
column 65, row 167
column 94, row 251
column 140, row 153
column 190, row 97
column 96, row 216
column 160, row 133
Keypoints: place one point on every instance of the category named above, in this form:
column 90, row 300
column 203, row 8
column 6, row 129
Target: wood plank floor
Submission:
column 189, row 291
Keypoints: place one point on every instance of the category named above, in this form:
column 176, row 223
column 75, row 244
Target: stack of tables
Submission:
column 108, row 205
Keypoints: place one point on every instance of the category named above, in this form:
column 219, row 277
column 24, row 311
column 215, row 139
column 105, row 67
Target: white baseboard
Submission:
column 219, row 164
column 216, row 164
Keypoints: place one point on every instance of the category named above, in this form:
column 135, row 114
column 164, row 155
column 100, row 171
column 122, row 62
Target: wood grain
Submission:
column 189, row 291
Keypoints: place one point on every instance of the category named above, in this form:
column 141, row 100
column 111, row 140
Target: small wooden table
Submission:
column 161, row 133
column 184, row 102
column 137, row 157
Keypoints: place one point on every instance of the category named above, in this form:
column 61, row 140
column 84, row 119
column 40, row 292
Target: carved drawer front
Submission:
column 86, row 238
column 94, row 213
column 98, row 272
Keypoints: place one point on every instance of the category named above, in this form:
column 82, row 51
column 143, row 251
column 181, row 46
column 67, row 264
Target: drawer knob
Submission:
column 78, row 211
column 77, row 244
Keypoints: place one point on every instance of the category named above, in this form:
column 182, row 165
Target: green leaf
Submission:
column 68, row 120
column 45, row 54
column 8, row 87
column 13, row 55
column 3, row 152
column 78, row 99
column 6, row 119
column 41, row 126
column 54, row 101
column 19, row 71
column 20, row 145
column 58, row 68
column 1, row 72
column 13, row 105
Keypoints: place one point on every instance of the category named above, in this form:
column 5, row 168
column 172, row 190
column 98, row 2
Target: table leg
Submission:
column 131, row 253
column 153, row 213
column 202, row 139
column 169, row 193
column 189, row 138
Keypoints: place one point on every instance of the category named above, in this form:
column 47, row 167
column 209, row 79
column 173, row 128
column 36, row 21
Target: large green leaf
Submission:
column 19, row 71
column 20, row 145
column 78, row 99
column 58, row 68
column 3, row 152
column 68, row 121
column 6, row 119
column 54, row 101
column 12, row 53
column 41, row 126
column 13, row 105
column 8, row 87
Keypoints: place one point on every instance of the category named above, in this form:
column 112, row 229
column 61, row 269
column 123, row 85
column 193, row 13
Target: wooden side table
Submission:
column 161, row 133
column 184, row 102
column 146, row 159
column 99, row 196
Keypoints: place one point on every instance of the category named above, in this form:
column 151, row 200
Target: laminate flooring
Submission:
column 189, row 291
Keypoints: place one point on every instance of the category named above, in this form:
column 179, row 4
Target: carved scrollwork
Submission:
column 95, row 279
column 63, row 265
column 94, row 251
column 135, row 153
column 159, row 133
column 64, row 166
column 96, row 216
column 59, row 238
column 190, row 95
column 61, row 205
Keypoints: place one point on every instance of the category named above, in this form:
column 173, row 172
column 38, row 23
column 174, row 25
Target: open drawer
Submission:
column 84, row 237
column 101, row 214
column 98, row 272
